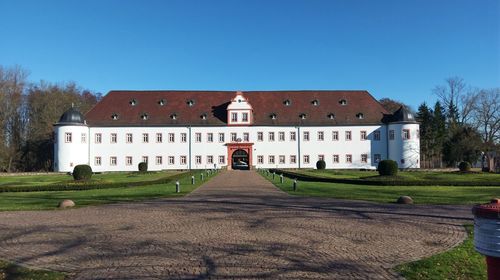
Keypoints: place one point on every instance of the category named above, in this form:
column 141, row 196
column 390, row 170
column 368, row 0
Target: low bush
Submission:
column 143, row 167
column 387, row 167
column 82, row 172
column 464, row 166
column 320, row 164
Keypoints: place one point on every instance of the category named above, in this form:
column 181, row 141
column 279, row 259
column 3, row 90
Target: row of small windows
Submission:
column 271, row 136
column 306, row 159
column 234, row 116
column 113, row 160
column 191, row 102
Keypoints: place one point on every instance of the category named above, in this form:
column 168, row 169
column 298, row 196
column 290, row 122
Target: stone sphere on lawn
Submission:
column 405, row 200
column 67, row 203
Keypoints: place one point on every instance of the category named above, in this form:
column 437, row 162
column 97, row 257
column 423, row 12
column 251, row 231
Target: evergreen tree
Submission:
column 463, row 145
column 426, row 119
column 439, row 131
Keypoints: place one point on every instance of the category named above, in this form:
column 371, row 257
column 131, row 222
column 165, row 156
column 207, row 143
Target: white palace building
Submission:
column 217, row 129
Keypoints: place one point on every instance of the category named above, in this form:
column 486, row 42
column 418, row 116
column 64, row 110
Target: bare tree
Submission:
column 457, row 99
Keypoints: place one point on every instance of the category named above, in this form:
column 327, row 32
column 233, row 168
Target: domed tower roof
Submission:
column 403, row 114
column 71, row 117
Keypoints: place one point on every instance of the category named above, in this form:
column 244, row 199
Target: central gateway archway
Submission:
column 239, row 155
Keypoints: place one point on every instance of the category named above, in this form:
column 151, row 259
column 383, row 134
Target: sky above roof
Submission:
column 395, row 49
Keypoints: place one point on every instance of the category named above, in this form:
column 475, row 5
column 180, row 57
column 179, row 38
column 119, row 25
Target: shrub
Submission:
column 143, row 166
column 82, row 172
column 464, row 166
column 387, row 167
column 320, row 164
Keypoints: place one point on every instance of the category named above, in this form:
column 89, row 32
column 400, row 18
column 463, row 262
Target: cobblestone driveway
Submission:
column 237, row 226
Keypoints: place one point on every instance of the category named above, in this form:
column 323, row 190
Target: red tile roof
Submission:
column 214, row 104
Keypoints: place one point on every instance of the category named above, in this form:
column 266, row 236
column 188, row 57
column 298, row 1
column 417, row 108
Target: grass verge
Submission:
column 9, row 271
column 460, row 263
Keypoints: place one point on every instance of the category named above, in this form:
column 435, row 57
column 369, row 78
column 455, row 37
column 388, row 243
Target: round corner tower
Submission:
column 404, row 139
column 70, row 141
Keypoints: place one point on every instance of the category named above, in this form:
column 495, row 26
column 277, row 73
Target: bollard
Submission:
column 192, row 180
column 201, row 176
column 295, row 185
column 281, row 178
column 487, row 236
column 177, row 187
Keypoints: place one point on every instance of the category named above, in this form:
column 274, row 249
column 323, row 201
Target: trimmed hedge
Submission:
column 320, row 164
column 143, row 166
column 464, row 166
column 82, row 172
column 89, row 185
column 391, row 181
column 387, row 167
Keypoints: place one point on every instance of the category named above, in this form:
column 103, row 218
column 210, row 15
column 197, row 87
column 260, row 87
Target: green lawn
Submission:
column 388, row 194
column 9, row 271
column 49, row 200
column 460, row 263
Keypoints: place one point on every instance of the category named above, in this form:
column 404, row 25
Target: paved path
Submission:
column 237, row 226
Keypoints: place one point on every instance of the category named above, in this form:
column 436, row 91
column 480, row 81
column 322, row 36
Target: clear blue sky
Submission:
column 399, row 49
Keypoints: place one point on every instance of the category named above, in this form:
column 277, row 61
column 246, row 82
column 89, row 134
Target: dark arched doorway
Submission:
column 240, row 160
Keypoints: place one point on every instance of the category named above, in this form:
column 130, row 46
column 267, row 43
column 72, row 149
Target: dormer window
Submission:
column 133, row 102
column 144, row 116
column 315, row 102
column 410, row 116
column 203, row 116
column 273, row 116
column 162, row 102
column 331, row 116
column 114, row 116
column 302, row 116
column 343, row 102
column 190, row 102
column 173, row 116
column 360, row 116
column 287, row 102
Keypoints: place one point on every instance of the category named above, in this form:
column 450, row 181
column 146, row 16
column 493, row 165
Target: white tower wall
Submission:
column 406, row 152
column 69, row 154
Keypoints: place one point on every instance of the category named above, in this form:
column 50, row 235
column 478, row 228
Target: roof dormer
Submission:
column 239, row 111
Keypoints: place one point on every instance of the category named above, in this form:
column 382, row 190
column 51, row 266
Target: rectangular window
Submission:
column 98, row 138
column 293, row 136
column 271, row 159
column 145, row 159
column 406, row 134
column 335, row 158
column 128, row 160
column 183, row 137
column 84, row 137
column 246, row 137
column 129, row 138
column 210, row 159
column 234, row 136
column 68, row 137
column 391, row 134
column 282, row 159
column 364, row 158
column 293, row 159
column 197, row 159
column 210, row 137
column 271, row 136
column 113, row 138
column 321, row 157
column 260, row 136
column 260, row 159
column 363, row 135
column 222, row 159
column 183, row 160
column 348, row 136
column 321, row 136
column 281, row 136
column 234, row 117
column 171, row 160
column 306, row 135
column 335, row 136
column 377, row 158
column 159, row 137
column 197, row 137
column 159, row 160
column 112, row 161
column 348, row 158
column 97, row 161
column 171, row 137
column 145, row 138
column 306, row 159
column 376, row 135
column 221, row 137
column 244, row 117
